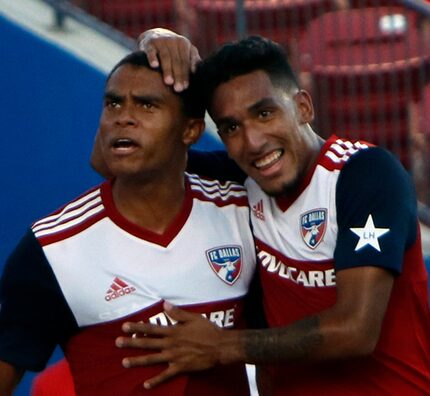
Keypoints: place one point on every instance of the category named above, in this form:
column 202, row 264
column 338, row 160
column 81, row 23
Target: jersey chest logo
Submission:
column 313, row 225
column 226, row 261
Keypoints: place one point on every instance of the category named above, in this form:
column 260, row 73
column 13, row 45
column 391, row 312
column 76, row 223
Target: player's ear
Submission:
column 193, row 131
column 305, row 106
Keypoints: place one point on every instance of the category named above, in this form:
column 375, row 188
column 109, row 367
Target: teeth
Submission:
column 268, row 159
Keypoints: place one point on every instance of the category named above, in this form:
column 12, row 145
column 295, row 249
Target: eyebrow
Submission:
column 112, row 95
column 261, row 103
column 140, row 98
column 253, row 108
column 149, row 98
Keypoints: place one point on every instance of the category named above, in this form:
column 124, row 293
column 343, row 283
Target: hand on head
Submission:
column 173, row 53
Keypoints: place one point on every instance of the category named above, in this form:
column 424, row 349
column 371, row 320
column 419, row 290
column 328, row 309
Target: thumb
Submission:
column 194, row 58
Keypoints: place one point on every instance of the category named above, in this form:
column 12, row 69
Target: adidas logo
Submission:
column 258, row 211
column 118, row 289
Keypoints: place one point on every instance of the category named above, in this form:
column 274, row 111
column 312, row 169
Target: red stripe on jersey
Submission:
column 309, row 284
column 69, row 232
column 221, row 194
column 70, row 206
column 333, row 156
column 337, row 151
column 63, row 220
column 241, row 201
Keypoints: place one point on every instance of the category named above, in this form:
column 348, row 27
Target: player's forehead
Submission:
column 138, row 79
column 245, row 92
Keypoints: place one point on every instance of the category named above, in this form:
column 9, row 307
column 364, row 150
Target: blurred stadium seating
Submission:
column 368, row 67
column 130, row 16
column 366, row 62
column 283, row 21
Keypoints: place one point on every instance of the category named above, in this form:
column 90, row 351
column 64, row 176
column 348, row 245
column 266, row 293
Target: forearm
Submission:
column 349, row 328
column 294, row 342
column 315, row 338
column 298, row 341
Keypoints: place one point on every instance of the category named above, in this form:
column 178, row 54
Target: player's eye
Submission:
column 228, row 129
column 265, row 113
column 147, row 105
column 112, row 103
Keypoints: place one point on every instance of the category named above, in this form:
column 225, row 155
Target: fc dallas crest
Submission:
column 226, row 261
column 313, row 225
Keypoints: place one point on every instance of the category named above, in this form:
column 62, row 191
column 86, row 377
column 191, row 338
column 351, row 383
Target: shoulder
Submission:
column 375, row 211
column 75, row 216
column 337, row 152
column 25, row 261
column 214, row 164
column 376, row 169
column 219, row 192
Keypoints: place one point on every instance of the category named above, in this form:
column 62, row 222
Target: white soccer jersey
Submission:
column 110, row 270
column 356, row 207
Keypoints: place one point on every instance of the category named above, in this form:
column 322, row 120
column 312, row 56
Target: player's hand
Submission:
column 190, row 345
column 173, row 52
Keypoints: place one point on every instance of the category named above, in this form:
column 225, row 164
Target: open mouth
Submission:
column 124, row 144
column 268, row 160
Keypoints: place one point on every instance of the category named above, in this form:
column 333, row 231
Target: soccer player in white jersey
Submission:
column 151, row 234
column 344, row 284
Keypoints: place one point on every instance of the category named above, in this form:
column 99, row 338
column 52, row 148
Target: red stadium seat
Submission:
column 373, row 3
column 280, row 20
column 367, row 67
column 421, row 150
column 134, row 16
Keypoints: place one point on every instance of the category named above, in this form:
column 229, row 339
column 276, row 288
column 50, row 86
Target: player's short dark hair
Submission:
column 242, row 57
column 192, row 105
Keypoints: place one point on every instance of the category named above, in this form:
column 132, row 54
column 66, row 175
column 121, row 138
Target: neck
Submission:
column 317, row 142
column 151, row 205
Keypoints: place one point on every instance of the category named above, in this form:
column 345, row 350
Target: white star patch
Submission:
column 369, row 235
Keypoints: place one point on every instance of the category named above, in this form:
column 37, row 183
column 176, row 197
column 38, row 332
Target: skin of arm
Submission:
column 97, row 161
column 9, row 378
column 350, row 328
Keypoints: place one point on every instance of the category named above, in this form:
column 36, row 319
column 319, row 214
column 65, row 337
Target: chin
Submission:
column 284, row 189
column 124, row 173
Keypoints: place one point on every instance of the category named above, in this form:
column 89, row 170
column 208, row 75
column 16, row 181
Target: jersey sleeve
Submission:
column 376, row 212
column 34, row 316
column 214, row 165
